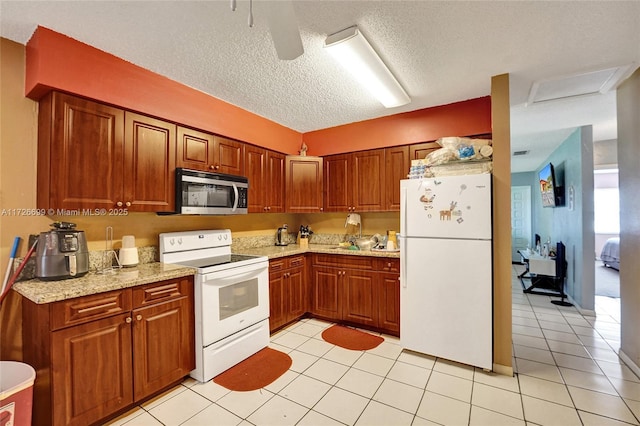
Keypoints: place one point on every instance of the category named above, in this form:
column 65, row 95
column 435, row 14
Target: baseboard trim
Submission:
column 503, row 370
column 629, row 363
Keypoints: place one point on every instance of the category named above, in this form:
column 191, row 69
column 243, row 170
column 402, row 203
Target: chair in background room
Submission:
column 561, row 273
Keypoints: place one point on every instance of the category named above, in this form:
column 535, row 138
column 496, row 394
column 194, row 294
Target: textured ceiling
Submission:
column 441, row 52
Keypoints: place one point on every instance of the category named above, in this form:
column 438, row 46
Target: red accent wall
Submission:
column 55, row 61
column 471, row 117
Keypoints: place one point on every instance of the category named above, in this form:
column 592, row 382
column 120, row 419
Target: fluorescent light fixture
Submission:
column 355, row 53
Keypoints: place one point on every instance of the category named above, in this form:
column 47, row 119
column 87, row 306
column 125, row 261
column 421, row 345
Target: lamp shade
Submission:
column 355, row 53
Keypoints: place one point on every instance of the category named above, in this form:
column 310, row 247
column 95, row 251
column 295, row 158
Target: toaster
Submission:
column 61, row 253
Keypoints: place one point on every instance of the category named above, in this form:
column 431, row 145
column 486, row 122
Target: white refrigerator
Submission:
column 446, row 291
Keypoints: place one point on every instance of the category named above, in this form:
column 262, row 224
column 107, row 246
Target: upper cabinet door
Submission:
column 149, row 164
column 228, row 156
column 338, row 183
column 303, row 184
column 255, row 160
column 80, row 153
column 420, row 150
column 274, row 181
column 397, row 165
column 194, row 149
column 368, row 182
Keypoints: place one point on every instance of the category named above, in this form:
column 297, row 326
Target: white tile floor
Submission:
column 567, row 373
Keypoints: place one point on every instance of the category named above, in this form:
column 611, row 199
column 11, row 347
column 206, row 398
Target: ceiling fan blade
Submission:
column 283, row 26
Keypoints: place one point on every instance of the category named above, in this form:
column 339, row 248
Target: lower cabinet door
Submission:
column 277, row 306
column 297, row 294
column 91, row 370
column 326, row 297
column 163, row 345
column 389, row 303
column 360, row 298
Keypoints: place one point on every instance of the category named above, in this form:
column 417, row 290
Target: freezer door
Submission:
column 446, row 207
column 446, row 299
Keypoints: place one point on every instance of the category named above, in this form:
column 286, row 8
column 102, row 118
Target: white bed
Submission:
column 610, row 254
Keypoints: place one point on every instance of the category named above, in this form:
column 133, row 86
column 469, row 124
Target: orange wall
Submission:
column 57, row 61
column 465, row 118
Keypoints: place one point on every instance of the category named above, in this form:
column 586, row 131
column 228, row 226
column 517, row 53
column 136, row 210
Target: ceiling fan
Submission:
column 281, row 19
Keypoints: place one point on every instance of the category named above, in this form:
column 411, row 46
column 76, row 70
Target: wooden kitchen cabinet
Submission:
column 92, row 155
column 97, row 355
column 288, row 295
column 397, row 165
column 420, row 150
column 209, row 153
column 303, row 184
column 358, row 290
column 265, row 171
column 355, row 181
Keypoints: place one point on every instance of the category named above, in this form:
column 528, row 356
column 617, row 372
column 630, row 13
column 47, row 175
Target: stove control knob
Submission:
column 225, row 236
column 180, row 241
column 219, row 237
column 172, row 241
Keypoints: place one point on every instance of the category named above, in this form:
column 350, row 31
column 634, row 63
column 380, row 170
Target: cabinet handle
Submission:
column 138, row 317
column 321, row 209
column 216, row 167
column 128, row 203
column 119, row 204
column 212, row 167
column 269, row 208
column 128, row 320
column 389, row 265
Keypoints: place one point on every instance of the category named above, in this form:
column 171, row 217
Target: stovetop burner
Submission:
column 210, row 262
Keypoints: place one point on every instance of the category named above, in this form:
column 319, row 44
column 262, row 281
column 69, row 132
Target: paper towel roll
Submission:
column 353, row 219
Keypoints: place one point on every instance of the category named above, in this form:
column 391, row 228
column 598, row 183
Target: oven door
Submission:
column 232, row 300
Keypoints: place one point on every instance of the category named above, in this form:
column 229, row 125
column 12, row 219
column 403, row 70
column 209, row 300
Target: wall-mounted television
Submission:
column 550, row 189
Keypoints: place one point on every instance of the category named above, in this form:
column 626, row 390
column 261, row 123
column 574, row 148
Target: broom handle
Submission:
column 20, row 268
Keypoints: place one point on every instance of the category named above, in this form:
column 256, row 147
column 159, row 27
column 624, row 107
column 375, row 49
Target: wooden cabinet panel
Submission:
column 228, row 156
column 80, row 153
column 303, row 184
column 368, row 180
column 194, row 149
column 420, row 150
column 389, row 303
column 163, row 345
column 360, row 303
column 89, row 308
column 275, row 182
column 288, row 294
column 337, row 183
column 297, row 304
column 397, row 164
column 255, row 160
column 326, row 297
column 92, row 371
column 277, row 305
column 149, row 164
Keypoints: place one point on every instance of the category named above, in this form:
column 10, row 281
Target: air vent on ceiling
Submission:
column 524, row 152
column 570, row 86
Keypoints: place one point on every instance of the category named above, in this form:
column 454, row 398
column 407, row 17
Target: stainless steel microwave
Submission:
column 210, row 193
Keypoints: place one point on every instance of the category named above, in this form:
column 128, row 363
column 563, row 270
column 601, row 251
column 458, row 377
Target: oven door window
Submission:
column 238, row 298
column 206, row 195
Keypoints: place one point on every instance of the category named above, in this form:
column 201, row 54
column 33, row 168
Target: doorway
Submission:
column 520, row 220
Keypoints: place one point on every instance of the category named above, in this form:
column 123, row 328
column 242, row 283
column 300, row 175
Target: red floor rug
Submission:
column 350, row 338
column 255, row 372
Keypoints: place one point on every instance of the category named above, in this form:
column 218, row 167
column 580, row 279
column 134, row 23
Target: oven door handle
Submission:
column 235, row 198
column 224, row 278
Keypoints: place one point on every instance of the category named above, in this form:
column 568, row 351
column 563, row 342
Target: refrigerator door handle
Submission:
column 403, row 237
column 403, row 260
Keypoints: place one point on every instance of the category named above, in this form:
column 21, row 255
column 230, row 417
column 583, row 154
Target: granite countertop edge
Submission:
column 42, row 292
column 274, row 252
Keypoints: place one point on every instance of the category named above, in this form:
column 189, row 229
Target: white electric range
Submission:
column 231, row 298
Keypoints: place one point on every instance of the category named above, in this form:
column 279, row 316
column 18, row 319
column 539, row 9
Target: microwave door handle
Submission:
column 235, row 199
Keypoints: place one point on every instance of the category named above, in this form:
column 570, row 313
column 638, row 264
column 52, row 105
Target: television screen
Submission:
column 547, row 186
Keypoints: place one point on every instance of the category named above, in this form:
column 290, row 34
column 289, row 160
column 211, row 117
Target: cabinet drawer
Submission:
column 283, row 263
column 162, row 291
column 389, row 265
column 89, row 308
column 344, row 261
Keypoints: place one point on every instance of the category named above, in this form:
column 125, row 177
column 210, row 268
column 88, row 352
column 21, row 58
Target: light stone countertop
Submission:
column 40, row 292
column 274, row 252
